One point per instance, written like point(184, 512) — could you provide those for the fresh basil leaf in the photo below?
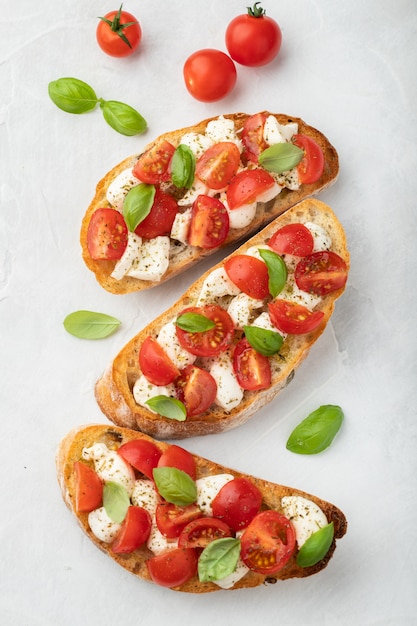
point(115, 501)
point(317, 431)
point(263, 340)
point(137, 204)
point(123, 118)
point(183, 167)
point(175, 486)
point(72, 95)
point(280, 157)
point(194, 322)
point(168, 407)
point(316, 547)
point(218, 559)
point(277, 271)
point(90, 325)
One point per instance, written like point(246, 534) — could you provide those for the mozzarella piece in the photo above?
point(293, 293)
point(153, 260)
point(102, 526)
point(242, 216)
point(229, 393)
point(254, 251)
point(197, 143)
point(158, 543)
point(207, 489)
point(110, 466)
point(143, 390)
point(168, 339)
point(270, 193)
point(264, 321)
point(217, 285)
point(322, 239)
point(288, 179)
point(132, 252)
point(198, 188)
point(144, 494)
point(305, 516)
point(181, 226)
point(274, 132)
point(241, 309)
point(228, 581)
point(118, 188)
point(223, 129)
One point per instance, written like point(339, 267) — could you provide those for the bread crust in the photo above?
point(70, 450)
point(113, 391)
point(265, 212)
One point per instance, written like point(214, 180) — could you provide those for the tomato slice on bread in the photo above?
point(171, 518)
point(173, 568)
point(321, 273)
point(209, 223)
point(200, 532)
point(251, 368)
point(295, 239)
point(249, 274)
point(237, 503)
point(311, 165)
point(134, 531)
point(209, 342)
point(197, 389)
point(217, 165)
point(141, 454)
point(88, 488)
point(178, 457)
point(161, 217)
point(152, 167)
point(253, 137)
point(292, 318)
point(107, 235)
point(247, 186)
point(156, 364)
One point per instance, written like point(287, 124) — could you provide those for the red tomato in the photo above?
point(209, 342)
point(293, 239)
point(218, 164)
point(209, 223)
point(161, 217)
point(171, 518)
point(134, 531)
point(174, 567)
point(106, 235)
point(251, 368)
point(321, 273)
point(311, 166)
point(237, 503)
point(200, 532)
point(152, 167)
point(209, 75)
point(118, 33)
point(88, 488)
point(268, 543)
point(293, 318)
point(155, 364)
point(249, 274)
point(253, 39)
point(178, 457)
point(141, 454)
point(247, 186)
point(197, 389)
point(253, 138)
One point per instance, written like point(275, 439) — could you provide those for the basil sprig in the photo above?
point(115, 501)
point(317, 431)
point(183, 167)
point(90, 325)
point(137, 204)
point(263, 340)
point(280, 157)
point(168, 407)
point(316, 547)
point(277, 271)
point(175, 486)
point(218, 559)
point(73, 95)
point(194, 322)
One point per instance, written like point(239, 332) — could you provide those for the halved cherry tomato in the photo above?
point(247, 186)
point(141, 454)
point(321, 273)
point(293, 239)
point(161, 217)
point(253, 138)
point(268, 542)
point(155, 364)
point(311, 166)
point(174, 567)
point(209, 223)
point(237, 503)
point(251, 368)
point(197, 389)
point(294, 318)
point(152, 167)
point(218, 164)
point(106, 235)
point(200, 532)
point(209, 342)
point(88, 488)
point(249, 274)
point(118, 33)
point(134, 531)
point(171, 518)
point(178, 457)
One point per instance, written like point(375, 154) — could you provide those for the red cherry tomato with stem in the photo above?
point(118, 33)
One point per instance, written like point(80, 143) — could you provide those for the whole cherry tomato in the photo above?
point(118, 33)
point(209, 75)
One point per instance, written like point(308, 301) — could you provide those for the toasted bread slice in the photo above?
point(70, 451)
point(185, 256)
point(114, 390)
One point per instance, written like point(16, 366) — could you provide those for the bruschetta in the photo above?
point(160, 512)
point(233, 340)
point(198, 189)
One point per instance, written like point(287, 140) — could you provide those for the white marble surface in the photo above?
point(349, 68)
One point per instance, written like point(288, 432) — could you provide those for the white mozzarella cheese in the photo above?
point(168, 340)
point(181, 226)
point(272, 131)
point(198, 188)
point(293, 293)
point(305, 516)
point(197, 143)
point(264, 321)
point(143, 390)
point(118, 188)
point(153, 259)
point(322, 239)
point(158, 543)
point(217, 285)
point(229, 393)
point(228, 581)
point(207, 489)
point(144, 494)
point(110, 466)
point(254, 251)
point(132, 252)
point(241, 308)
point(288, 179)
point(242, 216)
point(102, 526)
point(222, 129)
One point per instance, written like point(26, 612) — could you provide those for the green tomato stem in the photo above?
point(256, 11)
